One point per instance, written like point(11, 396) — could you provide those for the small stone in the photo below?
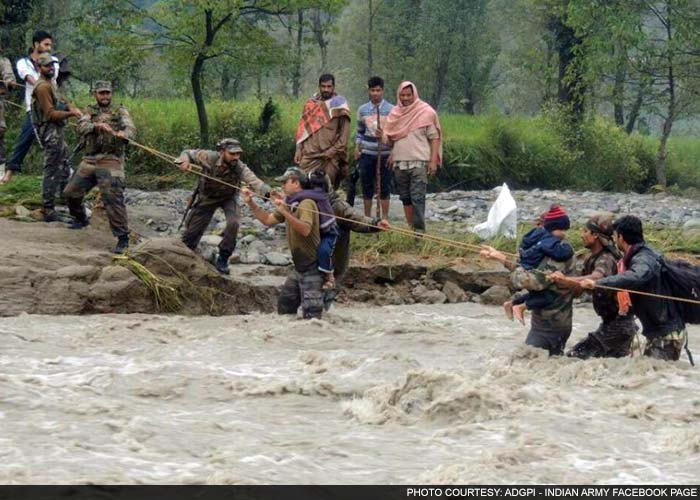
point(277, 259)
point(692, 226)
point(248, 239)
point(211, 240)
point(22, 211)
point(496, 295)
point(453, 292)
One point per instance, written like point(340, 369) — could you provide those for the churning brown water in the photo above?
point(437, 394)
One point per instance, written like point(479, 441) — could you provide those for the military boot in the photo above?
point(79, 223)
point(122, 244)
point(221, 263)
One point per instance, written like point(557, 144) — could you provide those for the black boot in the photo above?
point(79, 223)
point(122, 244)
point(221, 263)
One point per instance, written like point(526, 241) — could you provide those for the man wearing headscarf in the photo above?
point(613, 337)
point(413, 130)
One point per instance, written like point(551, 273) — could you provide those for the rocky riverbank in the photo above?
point(48, 269)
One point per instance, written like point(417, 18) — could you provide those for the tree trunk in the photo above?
point(661, 154)
point(468, 103)
point(440, 77)
point(370, 32)
point(670, 113)
point(618, 95)
point(225, 82)
point(196, 80)
point(571, 87)
point(635, 109)
point(296, 75)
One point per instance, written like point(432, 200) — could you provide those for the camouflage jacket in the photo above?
point(211, 191)
point(6, 74)
point(604, 301)
point(103, 145)
point(557, 316)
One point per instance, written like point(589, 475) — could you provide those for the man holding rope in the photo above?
point(225, 165)
point(613, 337)
point(105, 131)
point(49, 115)
point(550, 326)
point(7, 80)
point(303, 287)
point(640, 269)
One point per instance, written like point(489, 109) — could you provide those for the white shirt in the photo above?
point(25, 67)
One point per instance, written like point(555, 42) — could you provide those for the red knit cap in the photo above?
point(556, 218)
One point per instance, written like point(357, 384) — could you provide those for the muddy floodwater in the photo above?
point(400, 394)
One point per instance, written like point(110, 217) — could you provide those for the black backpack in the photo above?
point(682, 280)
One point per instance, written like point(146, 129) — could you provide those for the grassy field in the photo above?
point(544, 151)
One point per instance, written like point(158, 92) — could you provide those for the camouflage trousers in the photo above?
point(612, 339)
point(302, 289)
point(411, 183)
point(110, 182)
point(56, 168)
point(3, 128)
point(668, 347)
point(199, 218)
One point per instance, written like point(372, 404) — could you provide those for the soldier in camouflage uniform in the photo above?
point(224, 164)
point(7, 80)
point(105, 131)
point(49, 115)
point(613, 337)
point(550, 327)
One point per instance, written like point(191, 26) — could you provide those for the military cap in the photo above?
point(292, 172)
point(102, 85)
point(601, 224)
point(45, 59)
point(230, 145)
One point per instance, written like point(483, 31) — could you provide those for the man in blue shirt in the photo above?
point(367, 147)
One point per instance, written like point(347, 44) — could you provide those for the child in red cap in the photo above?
point(545, 240)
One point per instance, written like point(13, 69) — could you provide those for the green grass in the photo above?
point(544, 151)
point(23, 190)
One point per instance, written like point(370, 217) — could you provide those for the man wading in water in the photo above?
point(614, 335)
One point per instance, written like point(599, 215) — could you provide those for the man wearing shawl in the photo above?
point(413, 130)
point(322, 134)
point(613, 337)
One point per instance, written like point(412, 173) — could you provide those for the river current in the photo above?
point(400, 394)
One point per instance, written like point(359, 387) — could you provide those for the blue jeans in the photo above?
point(25, 141)
point(325, 249)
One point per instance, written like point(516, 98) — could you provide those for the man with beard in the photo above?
point(413, 130)
point(225, 165)
point(105, 131)
point(613, 337)
point(28, 71)
point(640, 269)
point(49, 115)
point(322, 134)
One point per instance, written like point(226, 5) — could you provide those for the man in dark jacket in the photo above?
point(662, 324)
point(614, 335)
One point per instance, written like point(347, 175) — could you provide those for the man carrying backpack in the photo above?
point(641, 269)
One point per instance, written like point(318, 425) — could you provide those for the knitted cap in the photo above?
point(556, 218)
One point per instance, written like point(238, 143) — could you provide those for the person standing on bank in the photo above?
point(413, 130)
point(224, 164)
point(105, 130)
point(7, 80)
point(323, 131)
point(368, 147)
point(28, 71)
point(49, 115)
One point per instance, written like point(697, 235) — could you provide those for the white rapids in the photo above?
point(399, 394)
